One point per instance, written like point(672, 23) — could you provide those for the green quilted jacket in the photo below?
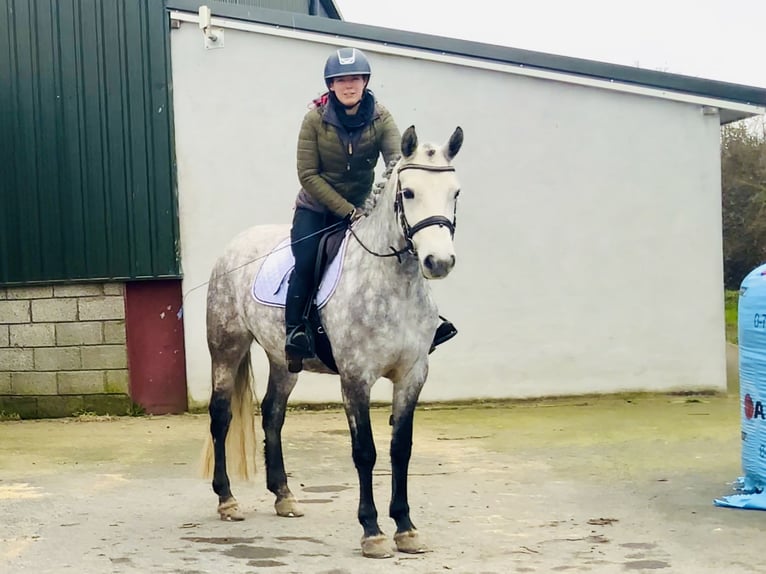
point(336, 171)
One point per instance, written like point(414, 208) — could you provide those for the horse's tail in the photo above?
point(240, 440)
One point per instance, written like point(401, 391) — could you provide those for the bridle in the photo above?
point(409, 231)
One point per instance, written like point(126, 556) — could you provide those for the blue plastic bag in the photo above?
point(752, 392)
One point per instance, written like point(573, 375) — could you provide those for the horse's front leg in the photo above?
point(356, 400)
point(273, 407)
point(406, 393)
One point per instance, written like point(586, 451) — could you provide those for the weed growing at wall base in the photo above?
point(8, 416)
point(731, 300)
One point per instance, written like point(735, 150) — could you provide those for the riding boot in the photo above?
point(444, 332)
point(299, 344)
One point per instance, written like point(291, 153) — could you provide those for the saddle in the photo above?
point(270, 285)
point(329, 246)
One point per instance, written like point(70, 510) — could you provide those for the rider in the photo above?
point(338, 147)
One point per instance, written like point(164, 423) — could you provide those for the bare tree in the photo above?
point(743, 175)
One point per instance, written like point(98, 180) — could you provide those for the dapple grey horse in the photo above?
point(380, 321)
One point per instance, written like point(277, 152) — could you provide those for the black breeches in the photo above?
point(305, 238)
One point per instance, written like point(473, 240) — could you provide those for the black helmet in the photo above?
point(346, 62)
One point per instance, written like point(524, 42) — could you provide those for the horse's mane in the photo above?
point(379, 186)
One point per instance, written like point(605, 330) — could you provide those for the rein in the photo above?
point(394, 252)
point(410, 230)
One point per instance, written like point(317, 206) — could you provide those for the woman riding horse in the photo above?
point(338, 147)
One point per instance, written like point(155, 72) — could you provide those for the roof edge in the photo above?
point(717, 89)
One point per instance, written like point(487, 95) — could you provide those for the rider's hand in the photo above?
point(354, 215)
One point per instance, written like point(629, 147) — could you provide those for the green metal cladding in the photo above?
point(87, 175)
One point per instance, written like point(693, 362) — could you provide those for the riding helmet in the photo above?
point(346, 62)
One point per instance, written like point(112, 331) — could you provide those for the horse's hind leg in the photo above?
point(406, 392)
point(226, 368)
point(273, 407)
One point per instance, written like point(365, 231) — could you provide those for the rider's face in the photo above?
point(348, 89)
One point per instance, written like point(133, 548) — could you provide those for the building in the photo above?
point(589, 240)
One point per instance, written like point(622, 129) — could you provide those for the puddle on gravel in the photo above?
point(299, 539)
point(639, 545)
point(327, 488)
point(646, 565)
point(222, 540)
point(266, 563)
point(254, 552)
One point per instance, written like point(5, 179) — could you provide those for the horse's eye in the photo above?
point(408, 194)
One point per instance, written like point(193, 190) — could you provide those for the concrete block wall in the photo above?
point(63, 350)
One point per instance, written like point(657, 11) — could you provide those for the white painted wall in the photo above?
point(589, 225)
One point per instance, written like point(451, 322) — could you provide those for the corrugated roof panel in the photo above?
point(299, 6)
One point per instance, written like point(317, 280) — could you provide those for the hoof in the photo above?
point(409, 542)
point(229, 510)
point(288, 507)
point(376, 547)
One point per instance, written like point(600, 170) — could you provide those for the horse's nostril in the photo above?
point(452, 260)
point(430, 262)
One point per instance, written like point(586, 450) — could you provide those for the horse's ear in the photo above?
point(454, 143)
point(409, 141)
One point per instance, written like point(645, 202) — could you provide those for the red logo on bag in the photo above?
point(749, 407)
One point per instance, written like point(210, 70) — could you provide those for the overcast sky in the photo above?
point(716, 39)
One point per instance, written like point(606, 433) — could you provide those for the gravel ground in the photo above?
point(610, 484)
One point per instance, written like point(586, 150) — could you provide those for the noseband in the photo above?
point(410, 230)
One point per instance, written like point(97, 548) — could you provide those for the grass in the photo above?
point(135, 410)
point(85, 416)
point(731, 299)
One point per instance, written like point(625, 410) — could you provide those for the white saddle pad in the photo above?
point(270, 284)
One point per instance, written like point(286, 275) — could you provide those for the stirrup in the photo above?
point(298, 346)
point(294, 364)
point(444, 332)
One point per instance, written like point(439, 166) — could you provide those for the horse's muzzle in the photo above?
point(437, 268)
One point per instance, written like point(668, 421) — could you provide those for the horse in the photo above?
point(380, 321)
